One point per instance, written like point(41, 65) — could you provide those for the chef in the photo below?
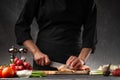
point(67, 31)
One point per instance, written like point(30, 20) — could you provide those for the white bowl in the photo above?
point(24, 73)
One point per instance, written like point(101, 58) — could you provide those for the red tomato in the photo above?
point(116, 72)
point(19, 68)
point(30, 68)
point(13, 72)
point(16, 59)
point(0, 73)
point(19, 62)
point(2, 67)
point(26, 64)
point(7, 72)
point(12, 66)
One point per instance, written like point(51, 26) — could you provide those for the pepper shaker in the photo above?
point(12, 51)
point(23, 52)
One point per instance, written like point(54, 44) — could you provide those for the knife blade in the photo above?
point(58, 65)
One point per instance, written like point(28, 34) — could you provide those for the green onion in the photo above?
point(38, 74)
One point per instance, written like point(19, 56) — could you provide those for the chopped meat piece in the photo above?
point(64, 68)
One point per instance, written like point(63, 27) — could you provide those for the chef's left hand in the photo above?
point(74, 62)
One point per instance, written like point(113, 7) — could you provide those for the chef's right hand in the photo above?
point(41, 58)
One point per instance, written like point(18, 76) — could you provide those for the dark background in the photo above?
point(108, 26)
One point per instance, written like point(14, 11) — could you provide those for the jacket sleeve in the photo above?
point(22, 26)
point(89, 36)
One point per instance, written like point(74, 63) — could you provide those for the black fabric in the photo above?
point(60, 23)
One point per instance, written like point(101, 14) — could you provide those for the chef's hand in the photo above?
point(74, 62)
point(41, 58)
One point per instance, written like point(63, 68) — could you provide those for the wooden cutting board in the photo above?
point(66, 72)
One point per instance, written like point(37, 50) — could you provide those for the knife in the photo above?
point(58, 65)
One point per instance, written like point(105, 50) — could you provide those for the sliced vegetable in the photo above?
point(38, 74)
point(96, 72)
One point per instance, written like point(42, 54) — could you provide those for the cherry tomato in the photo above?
point(2, 67)
point(116, 72)
point(7, 72)
point(13, 70)
point(16, 59)
point(0, 73)
point(12, 66)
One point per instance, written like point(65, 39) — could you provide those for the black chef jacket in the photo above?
point(60, 26)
